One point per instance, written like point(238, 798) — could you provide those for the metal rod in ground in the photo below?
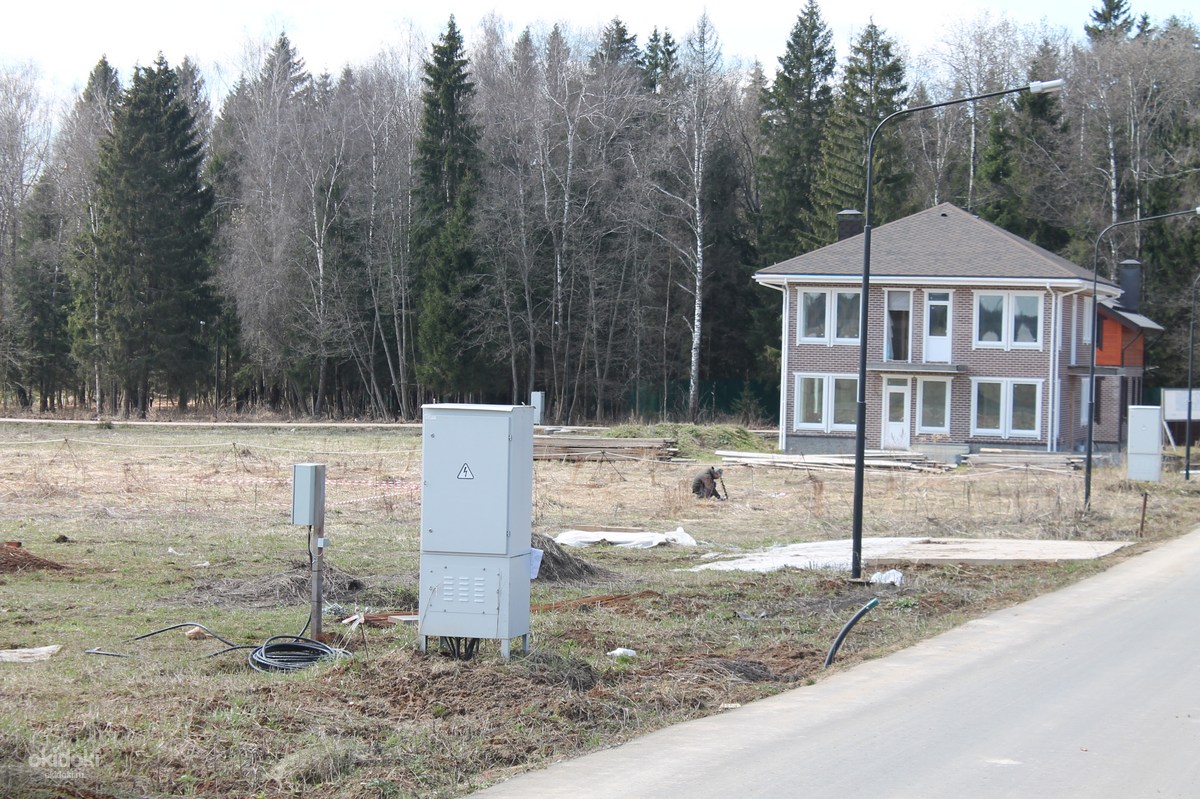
point(845, 630)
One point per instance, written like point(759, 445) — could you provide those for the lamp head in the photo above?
point(1046, 86)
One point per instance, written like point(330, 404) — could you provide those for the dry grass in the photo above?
point(163, 525)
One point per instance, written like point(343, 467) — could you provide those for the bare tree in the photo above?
point(24, 146)
point(697, 112)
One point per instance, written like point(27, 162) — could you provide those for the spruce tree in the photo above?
point(1021, 182)
point(660, 60)
point(1110, 18)
point(873, 87)
point(151, 243)
point(447, 169)
point(42, 297)
point(617, 46)
point(795, 109)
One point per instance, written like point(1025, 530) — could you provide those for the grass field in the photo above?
point(162, 525)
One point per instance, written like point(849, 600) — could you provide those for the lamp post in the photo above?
point(1187, 447)
point(1091, 421)
point(860, 439)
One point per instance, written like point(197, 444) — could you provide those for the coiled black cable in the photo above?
point(277, 653)
point(291, 652)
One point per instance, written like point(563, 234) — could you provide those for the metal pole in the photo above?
point(1091, 420)
point(317, 551)
point(860, 434)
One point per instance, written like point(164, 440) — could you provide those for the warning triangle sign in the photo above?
point(465, 472)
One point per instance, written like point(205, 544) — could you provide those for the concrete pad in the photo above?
point(835, 555)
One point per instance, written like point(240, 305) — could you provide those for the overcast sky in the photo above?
point(65, 39)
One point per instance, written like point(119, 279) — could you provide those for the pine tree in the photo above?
point(152, 241)
point(447, 168)
point(872, 88)
point(795, 109)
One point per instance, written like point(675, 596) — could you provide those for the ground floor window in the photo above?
point(825, 402)
point(933, 405)
point(1006, 407)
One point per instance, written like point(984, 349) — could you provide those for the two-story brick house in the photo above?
point(976, 338)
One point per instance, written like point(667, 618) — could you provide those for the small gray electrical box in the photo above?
point(308, 494)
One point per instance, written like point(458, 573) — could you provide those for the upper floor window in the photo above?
point(829, 317)
point(1008, 320)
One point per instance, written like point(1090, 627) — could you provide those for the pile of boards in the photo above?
point(873, 459)
point(1034, 459)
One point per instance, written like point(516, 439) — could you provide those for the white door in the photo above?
point(897, 400)
point(937, 327)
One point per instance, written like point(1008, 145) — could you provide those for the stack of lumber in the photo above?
point(873, 459)
point(1017, 458)
point(581, 447)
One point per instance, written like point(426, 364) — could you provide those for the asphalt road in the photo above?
point(1093, 691)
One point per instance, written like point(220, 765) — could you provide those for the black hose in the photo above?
point(842, 635)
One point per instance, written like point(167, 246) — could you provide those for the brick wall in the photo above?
point(996, 363)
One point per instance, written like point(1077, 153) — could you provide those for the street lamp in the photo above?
point(1091, 423)
point(860, 440)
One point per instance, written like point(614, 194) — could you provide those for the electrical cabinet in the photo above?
point(1144, 447)
point(476, 517)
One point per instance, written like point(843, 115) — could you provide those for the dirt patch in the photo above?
point(15, 559)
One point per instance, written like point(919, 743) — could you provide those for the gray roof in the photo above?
point(941, 242)
point(1132, 317)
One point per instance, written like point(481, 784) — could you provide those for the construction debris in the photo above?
point(873, 459)
point(28, 655)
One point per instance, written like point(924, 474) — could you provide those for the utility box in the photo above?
point(308, 494)
point(538, 400)
point(1144, 450)
point(476, 519)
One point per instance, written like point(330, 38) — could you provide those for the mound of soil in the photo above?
point(560, 566)
point(290, 587)
point(14, 559)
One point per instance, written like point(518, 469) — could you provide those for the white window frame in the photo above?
point(1008, 307)
point(921, 383)
point(949, 303)
point(911, 317)
point(828, 394)
point(829, 337)
point(1006, 429)
point(1085, 319)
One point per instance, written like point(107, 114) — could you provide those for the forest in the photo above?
point(546, 209)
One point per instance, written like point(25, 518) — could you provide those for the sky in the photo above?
point(65, 38)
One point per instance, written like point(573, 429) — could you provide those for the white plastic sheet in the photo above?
point(587, 538)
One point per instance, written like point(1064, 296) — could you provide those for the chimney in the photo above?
point(849, 223)
point(1130, 281)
